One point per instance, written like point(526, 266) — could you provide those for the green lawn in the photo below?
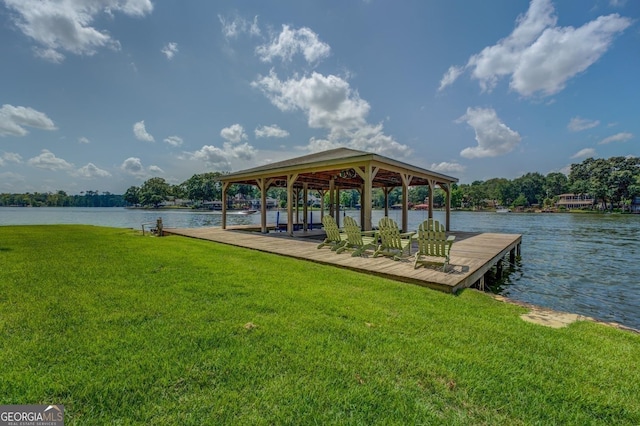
point(126, 329)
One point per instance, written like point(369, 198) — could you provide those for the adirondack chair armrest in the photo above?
point(369, 233)
point(451, 238)
point(407, 234)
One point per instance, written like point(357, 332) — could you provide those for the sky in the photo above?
point(102, 95)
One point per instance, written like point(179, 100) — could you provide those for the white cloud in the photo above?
point(494, 137)
point(47, 160)
point(234, 133)
point(49, 54)
point(371, 138)
point(619, 137)
point(133, 166)
point(232, 28)
point(13, 120)
point(57, 26)
point(155, 170)
point(292, 41)
point(12, 157)
point(220, 158)
point(577, 124)
point(83, 140)
point(140, 132)
point(174, 141)
point(330, 103)
point(272, 131)
point(212, 156)
point(450, 76)
point(243, 151)
point(584, 153)
point(91, 171)
point(170, 49)
point(445, 167)
point(539, 56)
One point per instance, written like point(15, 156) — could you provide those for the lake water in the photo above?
point(580, 263)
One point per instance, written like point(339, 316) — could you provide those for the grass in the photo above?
point(125, 329)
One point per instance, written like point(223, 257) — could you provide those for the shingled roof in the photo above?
point(318, 168)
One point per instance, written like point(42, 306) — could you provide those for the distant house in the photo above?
point(635, 205)
point(213, 205)
point(575, 201)
point(270, 203)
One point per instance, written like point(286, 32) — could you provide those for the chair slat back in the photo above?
point(351, 228)
point(389, 234)
point(432, 239)
point(331, 228)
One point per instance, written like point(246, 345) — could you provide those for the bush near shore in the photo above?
point(127, 329)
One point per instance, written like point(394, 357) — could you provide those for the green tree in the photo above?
point(132, 195)
point(457, 196)
point(154, 192)
point(555, 183)
point(477, 194)
point(531, 185)
point(520, 201)
point(418, 194)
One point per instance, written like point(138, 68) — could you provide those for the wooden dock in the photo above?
point(472, 254)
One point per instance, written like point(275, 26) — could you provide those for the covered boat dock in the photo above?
point(335, 170)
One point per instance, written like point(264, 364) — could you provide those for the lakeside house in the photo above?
point(635, 205)
point(575, 201)
point(270, 203)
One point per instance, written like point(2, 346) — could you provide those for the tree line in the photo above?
point(61, 199)
point(613, 183)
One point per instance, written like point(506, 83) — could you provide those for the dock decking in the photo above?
point(472, 254)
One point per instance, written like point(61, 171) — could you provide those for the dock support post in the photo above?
point(499, 269)
point(481, 283)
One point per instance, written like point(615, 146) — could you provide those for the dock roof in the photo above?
point(317, 169)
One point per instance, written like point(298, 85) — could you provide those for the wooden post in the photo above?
point(305, 207)
point(332, 195)
point(225, 186)
point(321, 195)
point(262, 186)
point(432, 187)
point(447, 220)
point(406, 181)
point(291, 180)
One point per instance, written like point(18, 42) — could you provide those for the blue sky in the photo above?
point(104, 94)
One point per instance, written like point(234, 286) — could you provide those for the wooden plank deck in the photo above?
point(472, 254)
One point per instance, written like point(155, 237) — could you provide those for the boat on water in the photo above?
point(236, 212)
point(503, 210)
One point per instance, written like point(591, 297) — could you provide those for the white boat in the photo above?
point(503, 210)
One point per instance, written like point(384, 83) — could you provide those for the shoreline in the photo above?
point(551, 318)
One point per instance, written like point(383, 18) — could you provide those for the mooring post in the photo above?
point(159, 226)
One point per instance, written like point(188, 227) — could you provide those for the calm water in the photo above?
point(585, 264)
